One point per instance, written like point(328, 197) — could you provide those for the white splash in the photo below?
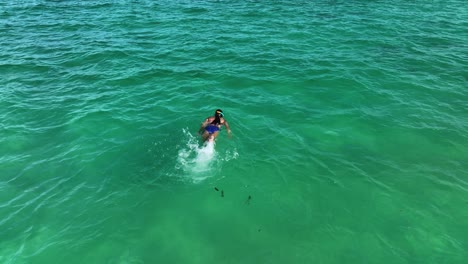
point(197, 161)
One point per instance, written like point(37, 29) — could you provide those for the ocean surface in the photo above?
point(349, 131)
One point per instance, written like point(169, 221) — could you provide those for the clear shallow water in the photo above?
point(349, 121)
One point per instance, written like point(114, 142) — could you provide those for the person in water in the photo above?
point(210, 127)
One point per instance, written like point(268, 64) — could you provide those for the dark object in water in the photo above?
point(248, 199)
point(222, 193)
point(216, 189)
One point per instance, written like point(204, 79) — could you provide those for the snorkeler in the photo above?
point(210, 127)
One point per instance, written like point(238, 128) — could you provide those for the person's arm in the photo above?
point(228, 129)
point(203, 125)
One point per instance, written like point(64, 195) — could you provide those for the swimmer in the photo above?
point(210, 127)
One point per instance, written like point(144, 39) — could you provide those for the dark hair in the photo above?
point(218, 115)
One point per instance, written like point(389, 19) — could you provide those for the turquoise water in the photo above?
point(349, 120)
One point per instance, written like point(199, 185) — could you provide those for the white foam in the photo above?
point(196, 161)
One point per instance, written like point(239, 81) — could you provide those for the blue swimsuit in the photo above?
point(211, 128)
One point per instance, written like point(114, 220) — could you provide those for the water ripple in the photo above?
point(338, 110)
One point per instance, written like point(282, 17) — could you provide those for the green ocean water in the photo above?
point(349, 121)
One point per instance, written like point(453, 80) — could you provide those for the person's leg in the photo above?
point(205, 135)
point(213, 136)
